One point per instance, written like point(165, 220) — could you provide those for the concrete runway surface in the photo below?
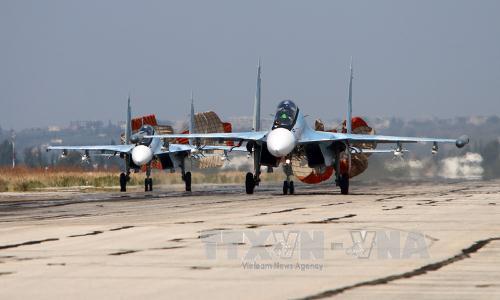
point(412, 240)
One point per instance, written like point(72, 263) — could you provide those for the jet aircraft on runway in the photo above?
point(290, 137)
point(142, 148)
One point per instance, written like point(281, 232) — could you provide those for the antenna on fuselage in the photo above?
point(348, 121)
point(256, 107)
point(128, 124)
point(191, 119)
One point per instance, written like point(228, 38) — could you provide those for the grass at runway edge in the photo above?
point(26, 179)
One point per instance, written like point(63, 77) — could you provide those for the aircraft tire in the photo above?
point(344, 184)
point(150, 184)
point(187, 181)
point(123, 182)
point(291, 188)
point(249, 183)
point(285, 187)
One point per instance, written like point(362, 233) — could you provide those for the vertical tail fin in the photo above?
point(349, 102)
point(256, 107)
point(191, 118)
point(128, 124)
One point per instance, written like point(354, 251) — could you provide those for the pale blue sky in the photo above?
point(67, 60)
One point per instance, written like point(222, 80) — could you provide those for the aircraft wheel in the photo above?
point(148, 184)
point(344, 184)
point(187, 181)
point(291, 188)
point(249, 183)
point(123, 182)
point(285, 187)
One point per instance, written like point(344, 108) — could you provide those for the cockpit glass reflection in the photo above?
point(286, 114)
point(147, 130)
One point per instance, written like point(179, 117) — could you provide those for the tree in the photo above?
point(6, 153)
point(33, 157)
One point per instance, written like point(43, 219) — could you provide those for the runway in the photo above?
point(411, 240)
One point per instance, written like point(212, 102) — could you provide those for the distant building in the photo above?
point(54, 128)
point(56, 141)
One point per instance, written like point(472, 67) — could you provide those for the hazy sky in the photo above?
point(69, 60)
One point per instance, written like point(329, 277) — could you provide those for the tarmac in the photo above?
point(392, 240)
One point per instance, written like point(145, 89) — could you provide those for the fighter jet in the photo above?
point(290, 136)
point(143, 147)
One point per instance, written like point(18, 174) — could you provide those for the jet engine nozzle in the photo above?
point(141, 155)
point(280, 142)
point(462, 141)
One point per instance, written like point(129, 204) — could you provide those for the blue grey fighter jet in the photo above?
point(143, 147)
point(291, 136)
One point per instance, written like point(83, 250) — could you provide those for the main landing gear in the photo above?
point(252, 180)
point(187, 181)
point(343, 182)
point(124, 178)
point(186, 176)
point(249, 183)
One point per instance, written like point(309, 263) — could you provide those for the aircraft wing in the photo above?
point(321, 136)
point(229, 136)
point(112, 148)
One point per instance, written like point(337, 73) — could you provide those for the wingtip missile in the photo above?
point(462, 141)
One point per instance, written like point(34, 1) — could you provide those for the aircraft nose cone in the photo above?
point(141, 155)
point(280, 142)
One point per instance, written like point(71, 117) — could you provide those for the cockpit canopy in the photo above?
point(286, 114)
point(146, 130)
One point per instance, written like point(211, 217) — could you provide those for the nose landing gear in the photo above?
point(148, 182)
point(288, 186)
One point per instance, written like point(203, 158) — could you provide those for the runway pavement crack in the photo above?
point(96, 232)
point(28, 243)
point(121, 228)
point(465, 253)
point(280, 211)
point(331, 220)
